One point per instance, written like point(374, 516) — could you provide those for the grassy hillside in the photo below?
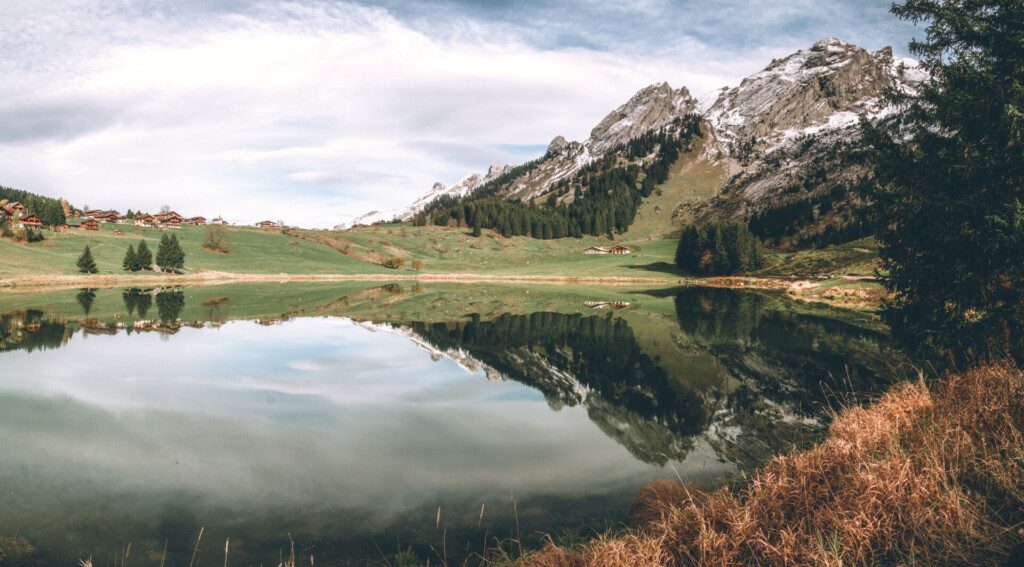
point(252, 251)
point(440, 250)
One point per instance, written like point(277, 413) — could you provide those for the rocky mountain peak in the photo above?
point(829, 85)
point(557, 144)
point(652, 107)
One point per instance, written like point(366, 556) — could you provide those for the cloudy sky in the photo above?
point(317, 111)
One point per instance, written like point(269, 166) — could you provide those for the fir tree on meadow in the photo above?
point(169, 255)
point(161, 252)
point(143, 257)
point(948, 202)
point(129, 262)
point(86, 264)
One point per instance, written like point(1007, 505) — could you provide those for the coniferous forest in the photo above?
point(605, 195)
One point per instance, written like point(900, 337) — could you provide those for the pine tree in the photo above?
point(476, 229)
point(86, 264)
point(949, 195)
point(170, 256)
point(143, 257)
point(176, 254)
point(129, 261)
point(162, 251)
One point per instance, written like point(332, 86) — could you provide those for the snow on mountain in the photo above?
point(460, 189)
point(820, 91)
point(827, 87)
point(651, 108)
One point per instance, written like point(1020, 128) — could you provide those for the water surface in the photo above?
point(366, 420)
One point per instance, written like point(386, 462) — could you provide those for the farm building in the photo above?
point(595, 250)
point(267, 224)
point(90, 224)
point(620, 249)
point(30, 221)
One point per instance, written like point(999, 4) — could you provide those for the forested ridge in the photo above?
point(600, 199)
point(50, 210)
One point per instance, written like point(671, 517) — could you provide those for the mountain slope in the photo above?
point(786, 136)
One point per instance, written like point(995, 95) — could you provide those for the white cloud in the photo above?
point(341, 108)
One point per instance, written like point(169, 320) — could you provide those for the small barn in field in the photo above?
point(595, 250)
point(620, 249)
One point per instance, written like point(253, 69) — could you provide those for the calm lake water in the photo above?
point(362, 420)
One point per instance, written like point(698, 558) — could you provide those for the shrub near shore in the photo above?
point(927, 477)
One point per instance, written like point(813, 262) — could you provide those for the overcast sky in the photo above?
point(316, 111)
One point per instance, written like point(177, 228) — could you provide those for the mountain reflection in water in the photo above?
point(370, 434)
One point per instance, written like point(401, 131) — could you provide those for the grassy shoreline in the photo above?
point(930, 476)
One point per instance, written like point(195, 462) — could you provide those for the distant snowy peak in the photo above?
point(827, 86)
point(460, 189)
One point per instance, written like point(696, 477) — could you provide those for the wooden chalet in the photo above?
point(30, 221)
point(104, 216)
point(170, 222)
point(169, 215)
point(90, 224)
point(267, 224)
point(195, 221)
point(18, 207)
point(595, 250)
point(144, 220)
point(620, 249)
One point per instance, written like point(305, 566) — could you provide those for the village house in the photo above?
point(103, 216)
point(30, 221)
point(195, 221)
point(267, 224)
point(168, 214)
point(17, 207)
point(170, 222)
point(620, 249)
point(219, 221)
point(144, 220)
point(90, 224)
point(595, 250)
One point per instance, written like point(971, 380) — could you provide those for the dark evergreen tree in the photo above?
point(175, 259)
point(143, 257)
point(718, 248)
point(130, 262)
point(949, 197)
point(86, 264)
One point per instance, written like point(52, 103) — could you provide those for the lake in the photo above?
point(361, 421)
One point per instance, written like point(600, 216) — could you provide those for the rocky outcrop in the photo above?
point(651, 108)
point(788, 131)
point(827, 87)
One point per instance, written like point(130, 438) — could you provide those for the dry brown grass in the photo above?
point(923, 477)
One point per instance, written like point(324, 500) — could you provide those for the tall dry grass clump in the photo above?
point(925, 477)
